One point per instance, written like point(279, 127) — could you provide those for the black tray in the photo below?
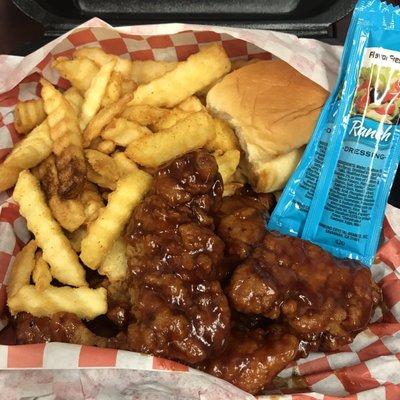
point(306, 18)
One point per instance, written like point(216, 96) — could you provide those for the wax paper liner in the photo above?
point(369, 368)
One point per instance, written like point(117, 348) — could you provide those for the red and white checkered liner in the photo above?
point(367, 369)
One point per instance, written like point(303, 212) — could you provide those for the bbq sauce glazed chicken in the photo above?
point(174, 262)
point(241, 224)
point(321, 299)
point(253, 358)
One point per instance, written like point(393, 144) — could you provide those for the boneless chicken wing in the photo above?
point(174, 255)
point(307, 288)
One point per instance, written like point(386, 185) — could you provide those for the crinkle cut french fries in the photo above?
point(79, 169)
point(57, 251)
point(103, 232)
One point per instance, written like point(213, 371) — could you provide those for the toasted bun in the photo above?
point(273, 109)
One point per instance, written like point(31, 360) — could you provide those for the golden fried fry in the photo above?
point(56, 248)
point(128, 86)
point(79, 72)
point(143, 114)
point(124, 164)
point(113, 90)
point(103, 232)
point(191, 104)
point(41, 275)
point(122, 131)
point(75, 238)
point(147, 71)
point(171, 118)
point(231, 187)
point(84, 302)
point(187, 135)
point(74, 98)
point(190, 76)
point(122, 65)
point(92, 202)
point(21, 269)
point(69, 213)
point(103, 118)
point(115, 264)
point(67, 142)
point(28, 114)
point(100, 180)
point(227, 164)
point(225, 138)
point(95, 93)
point(106, 146)
point(29, 152)
point(102, 164)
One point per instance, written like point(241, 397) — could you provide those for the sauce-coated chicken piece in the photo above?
point(315, 294)
point(253, 358)
point(174, 264)
point(241, 223)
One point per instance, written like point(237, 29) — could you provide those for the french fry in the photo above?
point(22, 268)
point(103, 118)
point(122, 131)
point(106, 146)
point(75, 238)
point(69, 213)
point(144, 114)
point(79, 72)
point(95, 93)
point(227, 164)
point(103, 232)
point(57, 251)
point(41, 275)
point(225, 138)
point(102, 164)
point(191, 104)
point(115, 264)
point(100, 180)
point(74, 98)
point(148, 70)
point(92, 202)
point(67, 141)
point(128, 86)
point(122, 65)
point(28, 115)
point(171, 118)
point(29, 152)
point(113, 89)
point(231, 187)
point(86, 303)
point(190, 76)
point(124, 164)
point(189, 134)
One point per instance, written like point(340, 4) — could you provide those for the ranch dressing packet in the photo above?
point(338, 194)
point(346, 213)
point(291, 212)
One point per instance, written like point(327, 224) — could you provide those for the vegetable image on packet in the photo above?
point(290, 213)
point(346, 210)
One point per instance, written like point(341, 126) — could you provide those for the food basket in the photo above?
point(366, 369)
